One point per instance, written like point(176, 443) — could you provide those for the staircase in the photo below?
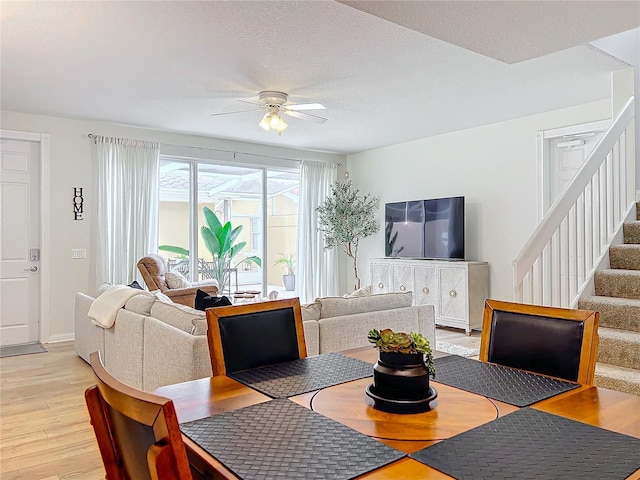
point(617, 298)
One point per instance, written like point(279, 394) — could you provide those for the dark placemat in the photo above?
point(304, 375)
point(530, 444)
point(500, 383)
point(281, 439)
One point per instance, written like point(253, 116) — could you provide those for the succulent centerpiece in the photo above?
point(401, 374)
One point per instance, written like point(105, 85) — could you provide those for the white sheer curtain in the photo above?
point(317, 268)
point(126, 222)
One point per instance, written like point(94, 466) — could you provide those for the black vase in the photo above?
point(401, 383)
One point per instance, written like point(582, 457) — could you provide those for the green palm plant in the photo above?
point(288, 262)
point(220, 242)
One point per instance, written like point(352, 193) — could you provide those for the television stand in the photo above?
point(456, 289)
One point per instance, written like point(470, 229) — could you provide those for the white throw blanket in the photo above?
point(104, 309)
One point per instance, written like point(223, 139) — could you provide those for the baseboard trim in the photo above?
point(65, 337)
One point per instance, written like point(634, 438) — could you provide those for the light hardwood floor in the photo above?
point(44, 426)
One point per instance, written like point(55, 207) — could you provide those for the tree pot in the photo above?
point(401, 383)
point(289, 282)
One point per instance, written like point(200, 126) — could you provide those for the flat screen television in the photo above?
point(431, 228)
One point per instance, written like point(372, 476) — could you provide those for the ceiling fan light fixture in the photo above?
point(264, 123)
point(273, 121)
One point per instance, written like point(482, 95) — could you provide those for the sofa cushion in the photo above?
point(338, 306)
point(140, 303)
point(310, 311)
point(176, 315)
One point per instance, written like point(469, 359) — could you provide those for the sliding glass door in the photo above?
point(261, 205)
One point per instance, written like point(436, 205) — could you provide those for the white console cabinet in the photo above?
point(457, 290)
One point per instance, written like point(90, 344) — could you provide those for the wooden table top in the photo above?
point(453, 412)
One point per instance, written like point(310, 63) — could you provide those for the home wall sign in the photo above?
point(78, 203)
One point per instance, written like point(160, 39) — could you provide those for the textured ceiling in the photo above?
point(170, 65)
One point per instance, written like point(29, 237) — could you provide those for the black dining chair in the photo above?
point(559, 342)
point(253, 335)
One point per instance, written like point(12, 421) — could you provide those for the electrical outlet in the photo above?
point(78, 253)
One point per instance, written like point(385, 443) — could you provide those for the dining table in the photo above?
point(459, 431)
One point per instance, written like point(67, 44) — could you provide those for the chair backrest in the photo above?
point(254, 335)
point(152, 269)
point(137, 432)
point(559, 342)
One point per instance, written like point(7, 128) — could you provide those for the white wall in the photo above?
point(493, 166)
point(71, 166)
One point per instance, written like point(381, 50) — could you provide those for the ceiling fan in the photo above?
point(275, 103)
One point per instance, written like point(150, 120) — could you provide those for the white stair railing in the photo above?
point(563, 253)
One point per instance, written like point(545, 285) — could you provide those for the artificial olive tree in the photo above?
point(345, 218)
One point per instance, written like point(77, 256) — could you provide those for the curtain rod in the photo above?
point(235, 152)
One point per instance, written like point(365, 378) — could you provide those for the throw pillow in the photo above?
point(361, 292)
point(204, 300)
point(176, 280)
point(135, 284)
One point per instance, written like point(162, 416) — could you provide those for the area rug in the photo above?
point(457, 350)
point(14, 350)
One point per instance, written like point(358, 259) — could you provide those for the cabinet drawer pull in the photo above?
point(381, 285)
point(402, 288)
point(425, 290)
point(452, 293)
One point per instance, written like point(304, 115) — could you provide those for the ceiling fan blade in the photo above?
point(251, 103)
point(305, 106)
point(239, 111)
point(304, 116)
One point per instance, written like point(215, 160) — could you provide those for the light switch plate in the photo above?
point(78, 253)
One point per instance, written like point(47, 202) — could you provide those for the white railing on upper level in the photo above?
point(562, 254)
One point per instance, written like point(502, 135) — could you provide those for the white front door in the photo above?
point(19, 241)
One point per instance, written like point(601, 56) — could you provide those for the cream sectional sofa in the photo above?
point(153, 343)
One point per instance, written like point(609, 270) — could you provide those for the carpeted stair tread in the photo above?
point(618, 283)
point(617, 378)
point(619, 347)
point(621, 313)
point(631, 232)
point(617, 298)
point(625, 256)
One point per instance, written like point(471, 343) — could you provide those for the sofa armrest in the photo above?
point(123, 347)
point(311, 337)
point(88, 338)
point(172, 356)
point(187, 296)
point(427, 323)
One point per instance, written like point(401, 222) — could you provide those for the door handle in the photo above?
point(32, 269)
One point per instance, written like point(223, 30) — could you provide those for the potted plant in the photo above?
point(401, 374)
point(345, 218)
point(220, 241)
point(289, 278)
